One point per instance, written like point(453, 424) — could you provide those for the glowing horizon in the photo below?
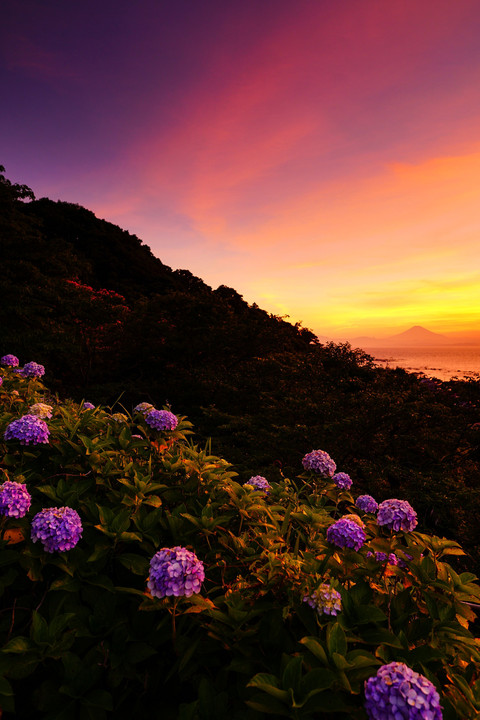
point(322, 159)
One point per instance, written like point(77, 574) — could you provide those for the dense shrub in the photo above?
point(287, 622)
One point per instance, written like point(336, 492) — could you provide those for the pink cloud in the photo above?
point(263, 129)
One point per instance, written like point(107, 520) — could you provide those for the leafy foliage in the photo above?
point(83, 637)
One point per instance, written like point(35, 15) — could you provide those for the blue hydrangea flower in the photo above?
point(161, 420)
point(343, 481)
point(29, 429)
point(397, 692)
point(15, 499)
point(397, 515)
point(346, 533)
point(41, 410)
point(325, 599)
point(366, 503)
point(143, 408)
point(58, 529)
point(318, 461)
point(259, 483)
point(10, 361)
point(88, 406)
point(175, 571)
point(32, 370)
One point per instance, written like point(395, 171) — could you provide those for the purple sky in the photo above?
point(321, 157)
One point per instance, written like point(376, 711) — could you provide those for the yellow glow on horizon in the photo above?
point(403, 252)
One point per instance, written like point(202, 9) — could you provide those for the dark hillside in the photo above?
point(109, 320)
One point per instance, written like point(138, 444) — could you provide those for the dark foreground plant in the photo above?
point(144, 580)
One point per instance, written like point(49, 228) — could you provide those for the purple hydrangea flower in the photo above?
point(403, 563)
point(15, 499)
point(346, 533)
point(355, 518)
point(397, 692)
point(57, 528)
point(175, 571)
point(325, 600)
point(88, 406)
point(161, 420)
point(1, 381)
point(41, 410)
point(29, 429)
point(343, 481)
point(397, 515)
point(382, 557)
point(366, 503)
point(119, 417)
point(10, 360)
point(32, 370)
point(320, 462)
point(143, 408)
point(259, 483)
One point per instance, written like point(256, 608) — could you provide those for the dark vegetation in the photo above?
point(87, 633)
point(113, 324)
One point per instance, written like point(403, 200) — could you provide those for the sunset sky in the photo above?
point(322, 157)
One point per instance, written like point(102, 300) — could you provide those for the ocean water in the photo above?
point(443, 363)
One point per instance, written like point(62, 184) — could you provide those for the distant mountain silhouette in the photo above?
point(416, 336)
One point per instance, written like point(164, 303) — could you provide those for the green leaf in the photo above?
point(135, 563)
point(315, 681)
point(368, 614)
point(5, 687)
point(99, 699)
point(18, 645)
point(380, 636)
point(314, 646)
point(130, 537)
point(59, 623)
point(329, 701)
point(39, 632)
point(292, 673)
point(362, 658)
point(124, 438)
point(265, 704)
point(7, 557)
point(136, 652)
point(336, 639)
point(269, 684)
point(7, 700)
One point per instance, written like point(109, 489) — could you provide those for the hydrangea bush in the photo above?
point(175, 571)
point(325, 600)
point(258, 482)
point(141, 573)
point(346, 533)
point(161, 420)
point(320, 462)
point(28, 429)
point(399, 692)
point(32, 370)
point(366, 503)
point(10, 360)
point(396, 515)
point(343, 481)
point(41, 410)
point(58, 529)
point(15, 500)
